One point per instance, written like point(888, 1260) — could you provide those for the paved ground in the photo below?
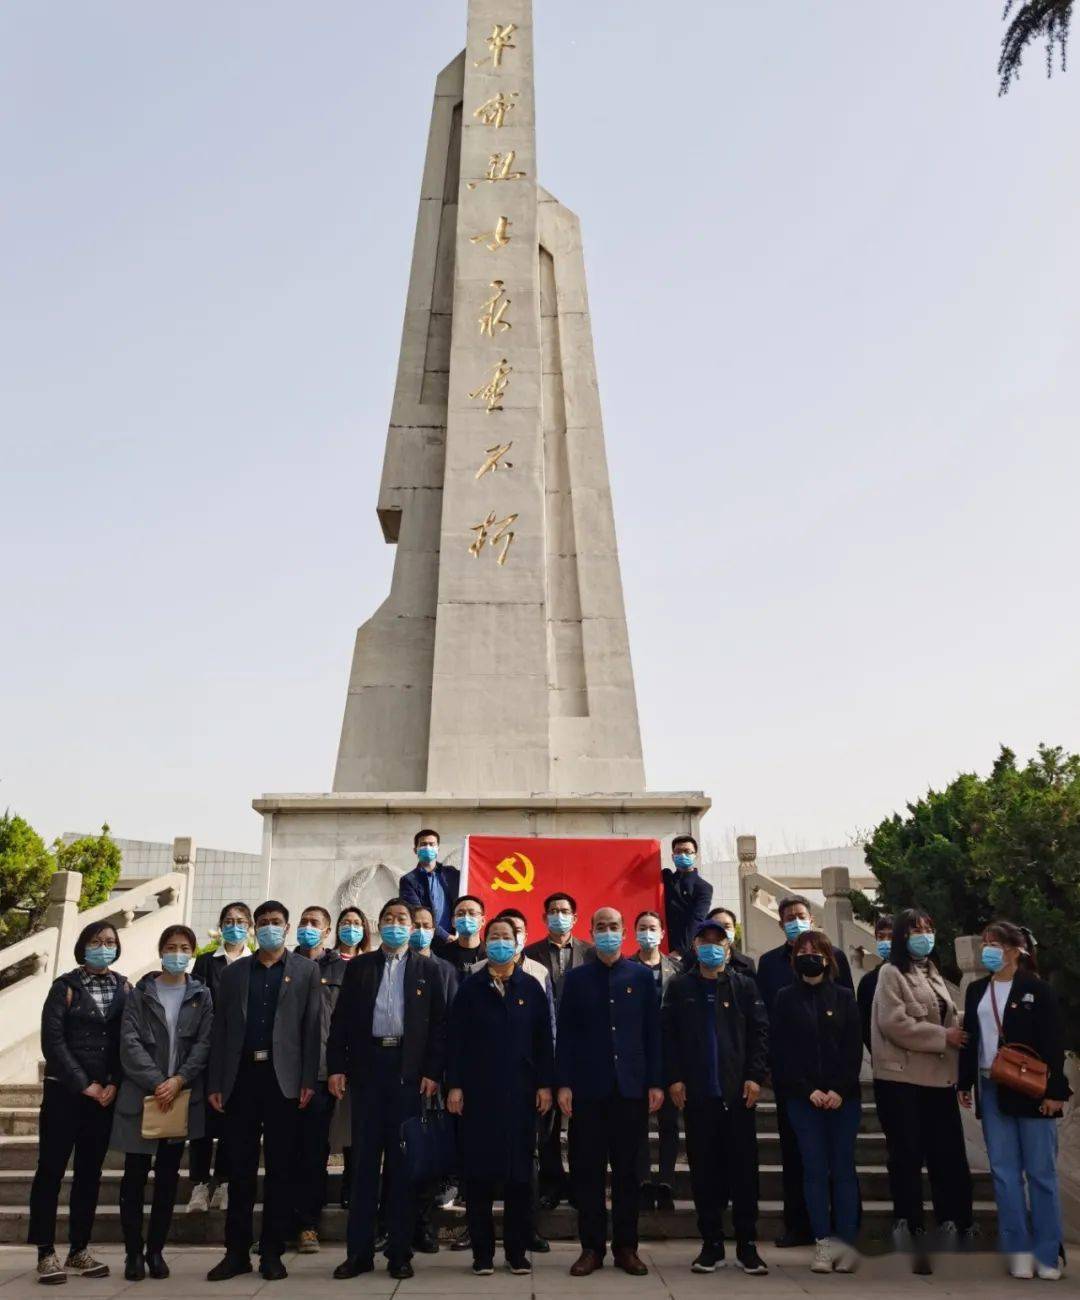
point(447, 1274)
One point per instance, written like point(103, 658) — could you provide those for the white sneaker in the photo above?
point(1022, 1265)
point(847, 1258)
point(1049, 1273)
point(221, 1197)
point(823, 1256)
point(199, 1201)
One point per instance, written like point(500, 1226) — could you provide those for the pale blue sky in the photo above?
point(834, 283)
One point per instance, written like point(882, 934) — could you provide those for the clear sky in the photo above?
point(834, 283)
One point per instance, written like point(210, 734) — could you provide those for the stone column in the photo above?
point(838, 913)
point(62, 911)
point(184, 862)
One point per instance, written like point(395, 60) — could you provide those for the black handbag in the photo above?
point(429, 1143)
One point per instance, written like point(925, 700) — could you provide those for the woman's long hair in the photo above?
point(904, 926)
point(1014, 936)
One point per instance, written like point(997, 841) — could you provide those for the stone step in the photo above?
point(20, 1094)
point(19, 1121)
point(559, 1225)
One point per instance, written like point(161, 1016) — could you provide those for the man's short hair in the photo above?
point(414, 912)
point(561, 896)
point(792, 900)
point(394, 902)
point(512, 912)
point(683, 839)
point(726, 911)
point(318, 907)
point(470, 898)
point(884, 922)
point(495, 921)
point(420, 835)
point(271, 905)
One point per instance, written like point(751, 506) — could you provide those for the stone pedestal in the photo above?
point(328, 848)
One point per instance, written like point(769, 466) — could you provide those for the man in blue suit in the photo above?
point(687, 897)
point(431, 883)
point(610, 1078)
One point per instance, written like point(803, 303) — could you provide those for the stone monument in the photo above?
point(492, 691)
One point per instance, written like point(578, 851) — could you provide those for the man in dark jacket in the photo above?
point(740, 962)
point(864, 994)
point(610, 1077)
point(431, 883)
point(774, 973)
point(687, 896)
point(387, 1045)
point(716, 1034)
point(264, 1064)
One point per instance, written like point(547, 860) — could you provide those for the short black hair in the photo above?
point(420, 835)
point(240, 907)
point(171, 931)
point(421, 907)
point(726, 911)
point(512, 912)
point(683, 839)
point(272, 905)
point(394, 902)
point(561, 894)
point(884, 922)
point(470, 898)
point(792, 900)
point(494, 921)
point(91, 931)
point(318, 907)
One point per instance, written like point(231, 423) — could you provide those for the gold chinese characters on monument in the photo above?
point(499, 237)
point(494, 390)
point(493, 531)
point(499, 169)
point(494, 456)
point(494, 112)
point(494, 311)
point(501, 39)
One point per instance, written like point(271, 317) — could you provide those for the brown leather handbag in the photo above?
point(1016, 1067)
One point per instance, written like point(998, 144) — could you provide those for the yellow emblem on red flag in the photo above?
point(510, 877)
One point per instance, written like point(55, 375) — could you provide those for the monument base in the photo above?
point(338, 849)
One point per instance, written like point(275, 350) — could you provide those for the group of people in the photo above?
point(342, 1037)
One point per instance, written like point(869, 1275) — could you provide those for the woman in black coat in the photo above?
point(499, 1073)
point(817, 1053)
point(80, 1041)
point(1013, 1005)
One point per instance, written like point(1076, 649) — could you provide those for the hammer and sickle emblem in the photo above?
point(512, 878)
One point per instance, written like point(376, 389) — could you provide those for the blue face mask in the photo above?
point(308, 936)
point(420, 939)
point(796, 926)
point(466, 925)
point(394, 936)
point(270, 937)
point(608, 941)
point(648, 940)
point(920, 945)
point(884, 949)
point(427, 854)
point(559, 922)
point(684, 861)
point(711, 955)
point(175, 963)
point(351, 935)
point(100, 955)
point(992, 958)
point(501, 951)
point(234, 933)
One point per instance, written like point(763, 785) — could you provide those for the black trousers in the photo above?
point(923, 1127)
point(553, 1180)
point(721, 1145)
point(517, 1218)
point(311, 1157)
point(201, 1151)
point(796, 1215)
point(68, 1123)
point(667, 1126)
point(603, 1133)
point(166, 1162)
point(380, 1105)
point(257, 1110)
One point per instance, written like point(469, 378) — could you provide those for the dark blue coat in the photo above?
point(415, 888)
point(687, 899)
point(609, 1032)
point(500, 1052)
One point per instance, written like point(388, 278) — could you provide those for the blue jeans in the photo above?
point(827, 1146)
point(1020, 1148)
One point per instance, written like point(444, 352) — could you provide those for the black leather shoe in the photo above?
point(155, 1264)
point(462, 1240)
point(400, 1269)
point(273, 1269)
point(230, 1266)
point(665, 1198)
point(550, 1201)
point(426, 1243)
point(539, 1245)
point(787, 1240)
point(134, 1268)
point(353, 1266)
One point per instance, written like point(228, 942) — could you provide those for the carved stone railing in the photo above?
point(139, 911)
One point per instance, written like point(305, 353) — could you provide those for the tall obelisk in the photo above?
point(501, 663)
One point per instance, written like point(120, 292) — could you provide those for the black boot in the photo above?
point(155, 1265)
point(134, 1268)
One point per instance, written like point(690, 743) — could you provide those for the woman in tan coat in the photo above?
point(915, 1042)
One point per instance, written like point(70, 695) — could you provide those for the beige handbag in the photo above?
point(171, 1123)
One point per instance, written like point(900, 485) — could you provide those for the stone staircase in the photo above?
point(18, 1156)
